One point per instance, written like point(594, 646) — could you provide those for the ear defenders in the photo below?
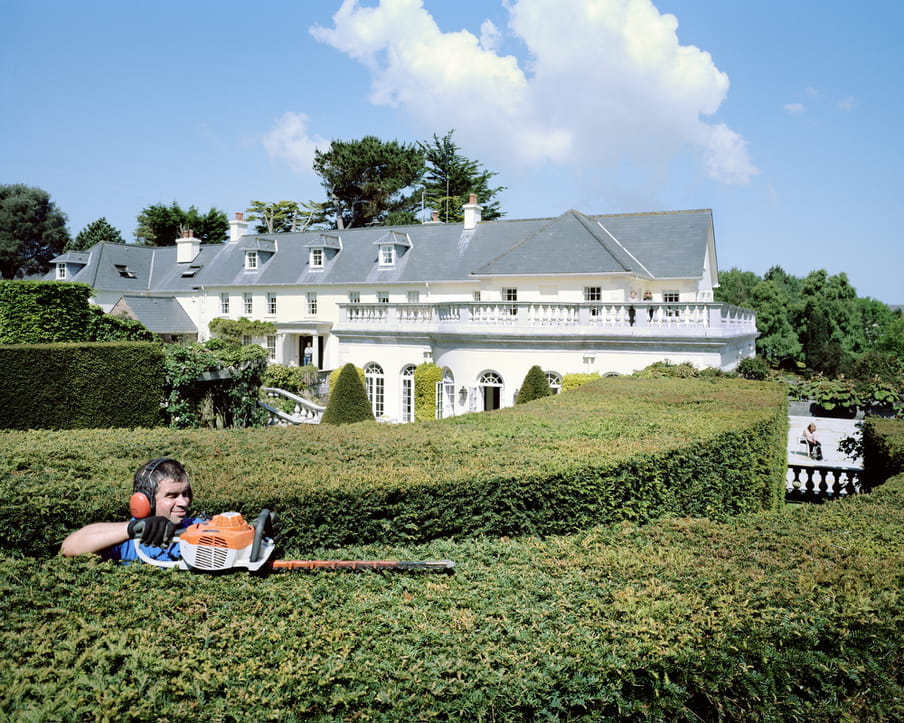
point(141, 504)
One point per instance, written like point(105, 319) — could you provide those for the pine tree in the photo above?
point(535, 386)
point(348, 400)
point(99, 231)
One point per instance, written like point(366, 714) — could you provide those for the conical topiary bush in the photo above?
point(348, 400)
point(534, 386)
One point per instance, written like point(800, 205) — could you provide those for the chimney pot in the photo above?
point(472, 198)
point(239, 216)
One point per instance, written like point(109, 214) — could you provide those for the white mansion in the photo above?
point(485, 301)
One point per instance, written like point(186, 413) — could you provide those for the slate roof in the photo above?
point(652, 245)
point(160, 314)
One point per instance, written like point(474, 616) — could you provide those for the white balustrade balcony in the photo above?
point(646, 319)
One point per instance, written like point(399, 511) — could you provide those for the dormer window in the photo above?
point(61, 272)
point(387, 255)
point(251, 260)
point(391, 248)
point(124, 271)
point(316, 258)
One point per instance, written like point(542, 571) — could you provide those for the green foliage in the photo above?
point(292, 379)
point(426, 377)
point(534, 386)
point(348, 401)
point(736, 287)
point(69, 386)
point(615, 449)
point(233, 330)
point(96, 232)
point(667, 369)
point(787, 616)
point(214, 385)
point(845, 395)
point(104, 327)
point(366, 179)
point(41, 312)
point(573, 381)
point(883, 449)
point(450, 178)
point(32, 230)
point(161, 225)
point(753, 368)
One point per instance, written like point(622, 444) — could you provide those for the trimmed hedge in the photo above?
point(615, 449)
point(71, 386)
point(44, 312)
point(795, 615)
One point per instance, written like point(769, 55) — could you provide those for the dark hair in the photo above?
point(151, 474)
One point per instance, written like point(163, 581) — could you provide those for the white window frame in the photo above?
point(374, 386)
point(60, 272)
point(407, 393)
point(251, 260)
point(248, 303)
point(510, 294)
point(316, 258)
point(271, 347)
point(382, 297)
point(312, 303)
point(271, 304)
point(387, 255)
point(414, 297)
point(224, 303)
point(354, 297)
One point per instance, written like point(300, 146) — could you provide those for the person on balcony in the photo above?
point(813, 444)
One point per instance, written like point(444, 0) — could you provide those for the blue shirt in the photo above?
point(125, 553)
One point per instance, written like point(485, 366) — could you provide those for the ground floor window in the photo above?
point(491, 390)
point(373, 384)
point(554, 380)
point(408, 393)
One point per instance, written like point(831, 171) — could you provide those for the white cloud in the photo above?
point(795, 108)
point(605, 82)
point(289, 141)
point(848, 103)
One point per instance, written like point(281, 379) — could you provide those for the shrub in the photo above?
point(535, 386)
point(426, 377)
point(573, 381)
point(348, 400)
point(753, 368)
point(43, 312)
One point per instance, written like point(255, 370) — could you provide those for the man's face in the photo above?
point(172, 500)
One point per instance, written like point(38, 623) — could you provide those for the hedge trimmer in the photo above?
point(226, 542)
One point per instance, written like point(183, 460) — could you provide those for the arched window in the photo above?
point(445, 395)
point(491, 389)
point(408, 393)
point(554, 380)
point(373, 384)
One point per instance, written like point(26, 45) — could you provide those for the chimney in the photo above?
point(187, 247)
point(237, 227)
point(472, 212)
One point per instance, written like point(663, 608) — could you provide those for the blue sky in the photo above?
point(783, 117)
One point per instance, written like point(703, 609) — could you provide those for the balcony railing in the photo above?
point(636, 319)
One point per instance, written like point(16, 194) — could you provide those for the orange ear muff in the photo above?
point(139, 506)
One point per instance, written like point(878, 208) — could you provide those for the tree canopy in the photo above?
point(368, 180)
point(162, 225)
point(32, 230)
point(450, 178)
point(96, 232)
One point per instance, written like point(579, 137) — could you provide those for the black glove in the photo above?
point(153, 531)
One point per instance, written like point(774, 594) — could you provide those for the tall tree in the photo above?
point(368, 179)
point(736, 287)
point(286, 216)
point(778, 340)
point(161, 225)
point(450, 178)
point(96, 232)
point(32, 230)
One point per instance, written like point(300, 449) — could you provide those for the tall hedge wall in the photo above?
point(615, 449)
point(41, 312)
point(69, 386)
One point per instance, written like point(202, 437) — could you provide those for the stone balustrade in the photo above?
point(636, 319)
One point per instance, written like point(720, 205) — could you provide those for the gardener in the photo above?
point(162, 489)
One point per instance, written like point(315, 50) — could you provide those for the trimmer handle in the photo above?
point(138, 530)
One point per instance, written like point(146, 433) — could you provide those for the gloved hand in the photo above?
point(156, 531)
